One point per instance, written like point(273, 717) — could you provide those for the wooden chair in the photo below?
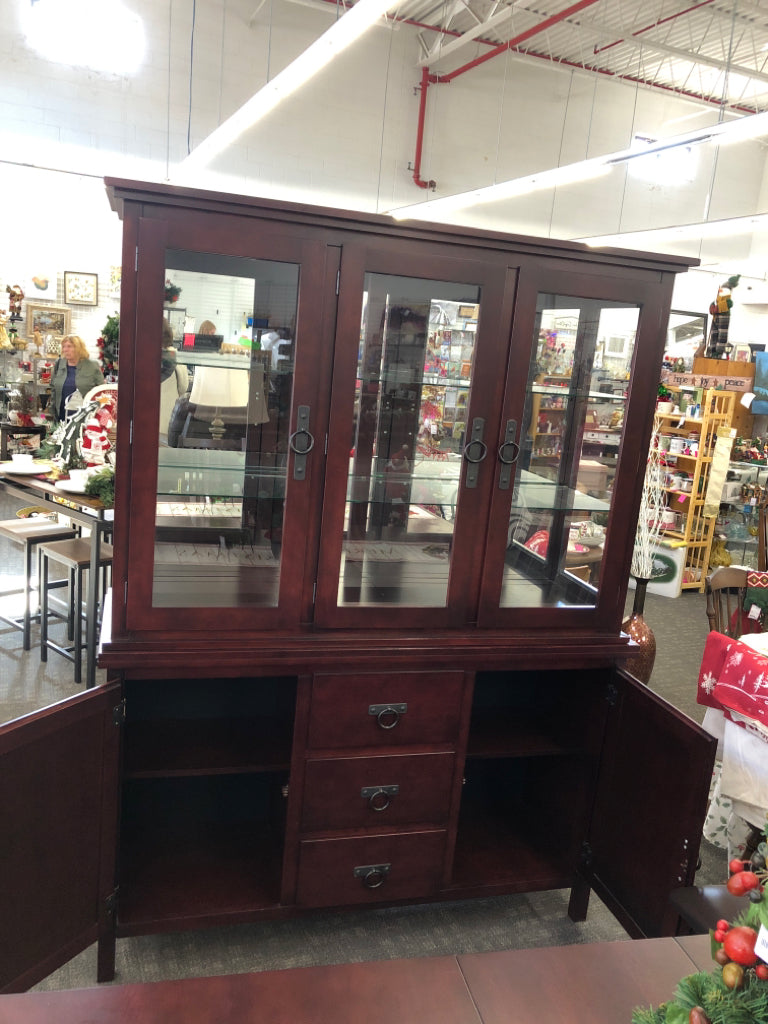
point(726, 589)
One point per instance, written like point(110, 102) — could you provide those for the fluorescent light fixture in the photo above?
point(343, 33)
point(99, 34)
point(740, 130)
point(682, 232)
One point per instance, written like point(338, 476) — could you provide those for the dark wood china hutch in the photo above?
point(369, 578)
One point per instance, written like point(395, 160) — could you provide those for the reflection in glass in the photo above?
point(573, 425)
point(414, 376)
point(225, 399)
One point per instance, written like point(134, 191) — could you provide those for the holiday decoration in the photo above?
point(83, 439)
point(736, 991)
point(108, 345)
point(718, 345)
point(172, 291)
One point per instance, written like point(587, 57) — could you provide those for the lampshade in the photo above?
point(220, 387)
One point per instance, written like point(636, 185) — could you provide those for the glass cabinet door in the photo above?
point(224, 529)
point(556, 509)
point(415, 444)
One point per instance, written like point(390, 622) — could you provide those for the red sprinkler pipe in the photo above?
point(516, 40)
point(420, 133)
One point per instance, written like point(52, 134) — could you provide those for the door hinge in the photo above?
point(130, 432)
point(612, 694)
point(136, 259)
point(111, 902)
point(586, 855)
point(325, 448)
point(338, 275)
point(314, 591)
point(118, 713)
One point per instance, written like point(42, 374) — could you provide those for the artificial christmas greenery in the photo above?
point(736, 990)
point(108, 346)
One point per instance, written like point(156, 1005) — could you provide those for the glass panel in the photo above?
point(414, 377)
point(572, 429)
point(225, 400)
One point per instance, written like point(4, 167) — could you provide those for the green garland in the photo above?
point(108, 345)
point(707, 991)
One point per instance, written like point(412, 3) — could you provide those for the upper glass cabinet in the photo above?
point(573, 425)
point(226, 382)
point(412, 398)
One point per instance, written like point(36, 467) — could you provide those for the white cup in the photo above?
point(22, 458)
point(79, 476)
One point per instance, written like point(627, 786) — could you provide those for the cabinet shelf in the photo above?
point(196, 877)
point(507, 734)
point(206, 747)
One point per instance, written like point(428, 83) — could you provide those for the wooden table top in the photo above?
point(597, 983)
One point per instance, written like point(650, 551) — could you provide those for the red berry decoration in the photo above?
point(739, 944)
point(723, 925)
point(735, 866)
point(741, 883)
point(762, 972)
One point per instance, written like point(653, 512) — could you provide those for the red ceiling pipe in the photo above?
point(420, 133)
point(516, 40)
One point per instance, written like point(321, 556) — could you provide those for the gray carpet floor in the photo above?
point(508, 922)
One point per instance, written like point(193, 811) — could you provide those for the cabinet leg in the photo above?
point(105, 956)
point(579, 901)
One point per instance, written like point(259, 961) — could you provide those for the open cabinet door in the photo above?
point(650, 807)
point(58, 821)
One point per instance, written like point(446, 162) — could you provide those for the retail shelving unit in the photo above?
point(700, 434)
point(349, 662)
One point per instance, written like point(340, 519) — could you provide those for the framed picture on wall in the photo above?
point(81, 288)
point(47, 320)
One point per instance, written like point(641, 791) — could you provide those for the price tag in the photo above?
point(761, 946)
point(754, 612)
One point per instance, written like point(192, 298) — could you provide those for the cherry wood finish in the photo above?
point(501, 749)
point(583, 984)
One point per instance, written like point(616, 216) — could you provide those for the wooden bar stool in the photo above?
point(29, 534)
point(75, 555)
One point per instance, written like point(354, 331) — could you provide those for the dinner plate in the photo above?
point(70, 486)
point(25, 469)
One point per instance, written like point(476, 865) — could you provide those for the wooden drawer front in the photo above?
point(337, 872)
point(351, 710)
point(358, 792)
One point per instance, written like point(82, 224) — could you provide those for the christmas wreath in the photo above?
point(736, 990)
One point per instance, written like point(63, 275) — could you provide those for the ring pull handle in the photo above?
point(372, 875)
point(379, 797)
point(507, 461)
point(387, 715)
point(300, 453)
point(475, 451)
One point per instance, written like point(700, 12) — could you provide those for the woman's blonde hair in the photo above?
point(207, 327)
point(79, 346)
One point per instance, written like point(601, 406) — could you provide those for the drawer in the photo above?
point(369, 869)
point(385, 709)
point(377, 792)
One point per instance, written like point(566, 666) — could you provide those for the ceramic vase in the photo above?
point(640, 665)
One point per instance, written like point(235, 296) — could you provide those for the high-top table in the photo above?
point(597, 983)
point(81, 509)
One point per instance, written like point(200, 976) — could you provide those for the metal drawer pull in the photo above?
point(475, 458)
point(378, 797)
point(387, 715)
point(302, 430)
point(372, 875)
point(505, 474)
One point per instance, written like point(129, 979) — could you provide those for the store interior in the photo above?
point(478, 115)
